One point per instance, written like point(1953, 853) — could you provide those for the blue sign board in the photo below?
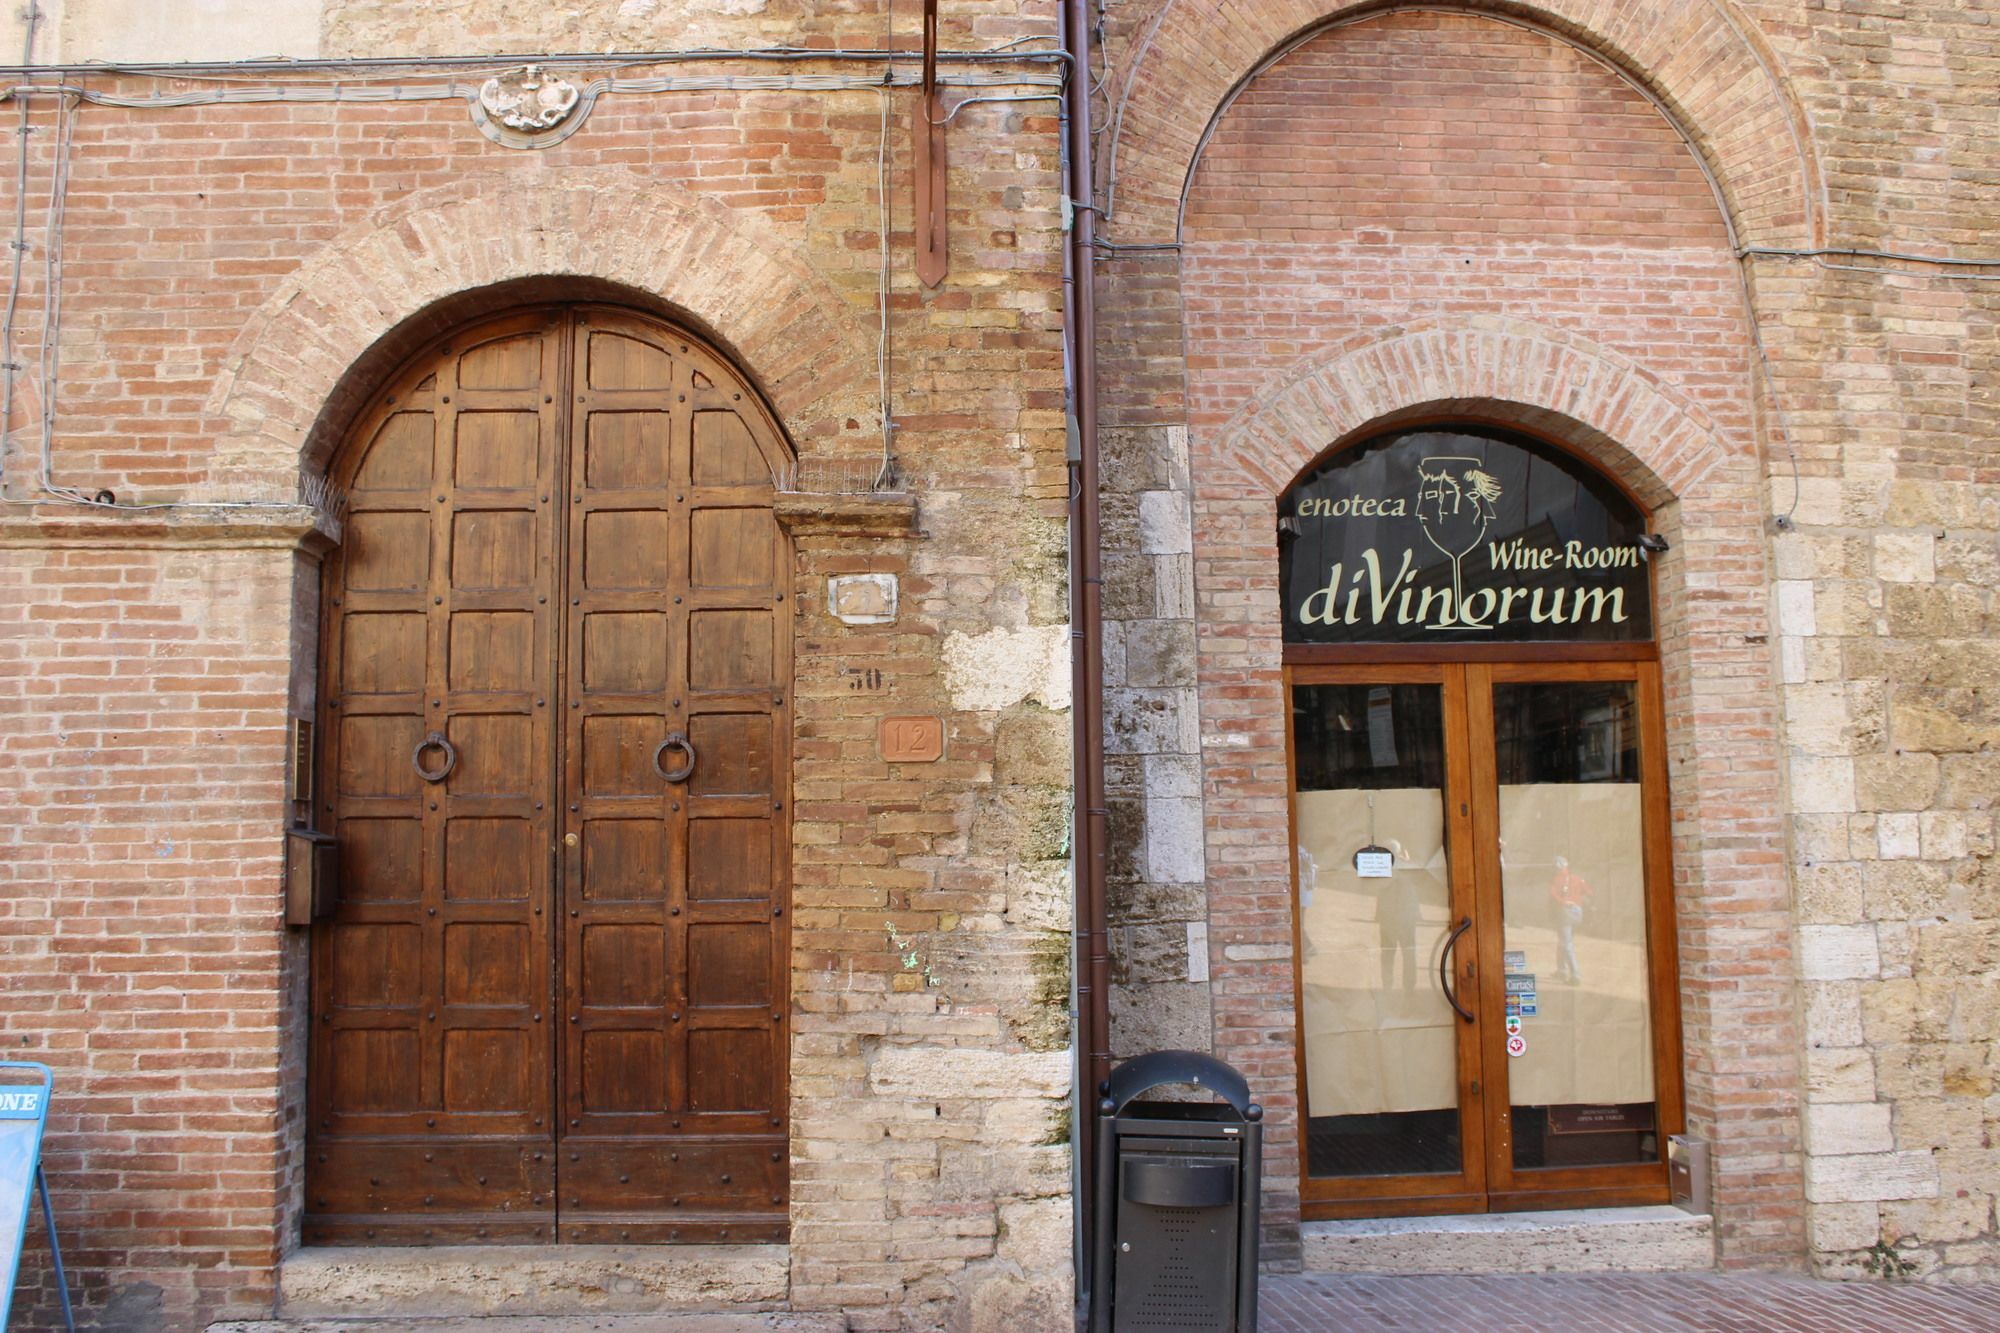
point(24, 1111)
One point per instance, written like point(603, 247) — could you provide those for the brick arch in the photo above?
point(298, 368)
point(1623, 417)
point(1707, 69)
point(1703, 485)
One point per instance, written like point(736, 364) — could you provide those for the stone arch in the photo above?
point(300, 367)
point(1707, 70)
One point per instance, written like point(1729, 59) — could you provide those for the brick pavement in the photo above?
point(1618, 1303)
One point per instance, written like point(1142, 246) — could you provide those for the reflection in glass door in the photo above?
point(1385, 1043)
point(1479, 859)
point(1573, 890)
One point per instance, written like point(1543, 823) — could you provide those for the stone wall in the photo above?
point(237, 278)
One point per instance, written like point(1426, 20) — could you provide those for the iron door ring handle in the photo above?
point(1444, 969)
point(676, 740)
point(435, 741)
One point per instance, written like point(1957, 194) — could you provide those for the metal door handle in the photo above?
point(676, 740)
point(1444, 969)
point(435, 741)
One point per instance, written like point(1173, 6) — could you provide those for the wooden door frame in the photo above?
point(1466, 674)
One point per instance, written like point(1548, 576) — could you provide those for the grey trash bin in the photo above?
point(1177, 1192)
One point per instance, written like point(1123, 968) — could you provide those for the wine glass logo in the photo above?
point(1455, 508)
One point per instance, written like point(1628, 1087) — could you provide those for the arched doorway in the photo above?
point(1486, 990)
point(550, 1000)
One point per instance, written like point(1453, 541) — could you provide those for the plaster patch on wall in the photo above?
point(146, 30)
point(958, 1072)
point(1197, 951)
point(1003, 667)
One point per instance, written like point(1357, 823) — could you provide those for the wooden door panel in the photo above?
point(643, 642)
point(398, 458)
point(488, 859)
point(619, 360)
point(530, 505)
point(374, 756)
point(491, 651)
point(373, 1069)
point(625, 652)
point(493, 550)
point(432, 981)
point(624, 1075)
point(375, 965)
point(379, 860)
point(511, 360)
point(625, 860)
point(624, 965)
point(383, 653)
point(725, 452)
point(730, 650)
point(729, 860)
point(628, 450)
point(736, 753)
point(732, 547)
point(729, 1070)
point(617, 758)
point(488, 1070)
point(627, 550)
point(474, 1192)
point(487, 963)
point(387, 551)
point(496, 450)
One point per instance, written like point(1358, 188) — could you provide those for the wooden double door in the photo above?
point(550, 999)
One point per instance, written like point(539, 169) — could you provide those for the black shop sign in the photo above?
point(1461, 536)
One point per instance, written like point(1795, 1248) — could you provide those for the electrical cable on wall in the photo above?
point(71, 95)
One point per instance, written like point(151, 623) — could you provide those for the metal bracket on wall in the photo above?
point(933, 241)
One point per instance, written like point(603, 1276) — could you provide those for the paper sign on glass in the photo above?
point(1374, 865)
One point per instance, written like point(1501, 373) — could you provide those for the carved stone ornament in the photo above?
point(527, 99)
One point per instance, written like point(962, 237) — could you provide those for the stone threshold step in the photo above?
point(1657, 1239)
point(539, 1282)
point(709, 1322)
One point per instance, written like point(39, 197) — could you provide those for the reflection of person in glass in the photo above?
point(1396, 911)
point(1570, 892)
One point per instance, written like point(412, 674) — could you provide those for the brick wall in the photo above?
point(1423, 209)
point(236, 279)
point(143, 708)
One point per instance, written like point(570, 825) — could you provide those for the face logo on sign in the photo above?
point(1432, 536)
point(1455, 508)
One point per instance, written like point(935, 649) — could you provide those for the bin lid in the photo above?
point(1143, 1073)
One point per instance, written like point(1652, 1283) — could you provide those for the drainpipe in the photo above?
point(1086, 579)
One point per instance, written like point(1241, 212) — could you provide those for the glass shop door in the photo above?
point(1384, 880)
point(1484, 936)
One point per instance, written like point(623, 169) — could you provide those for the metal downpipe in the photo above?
point(1093, 958)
